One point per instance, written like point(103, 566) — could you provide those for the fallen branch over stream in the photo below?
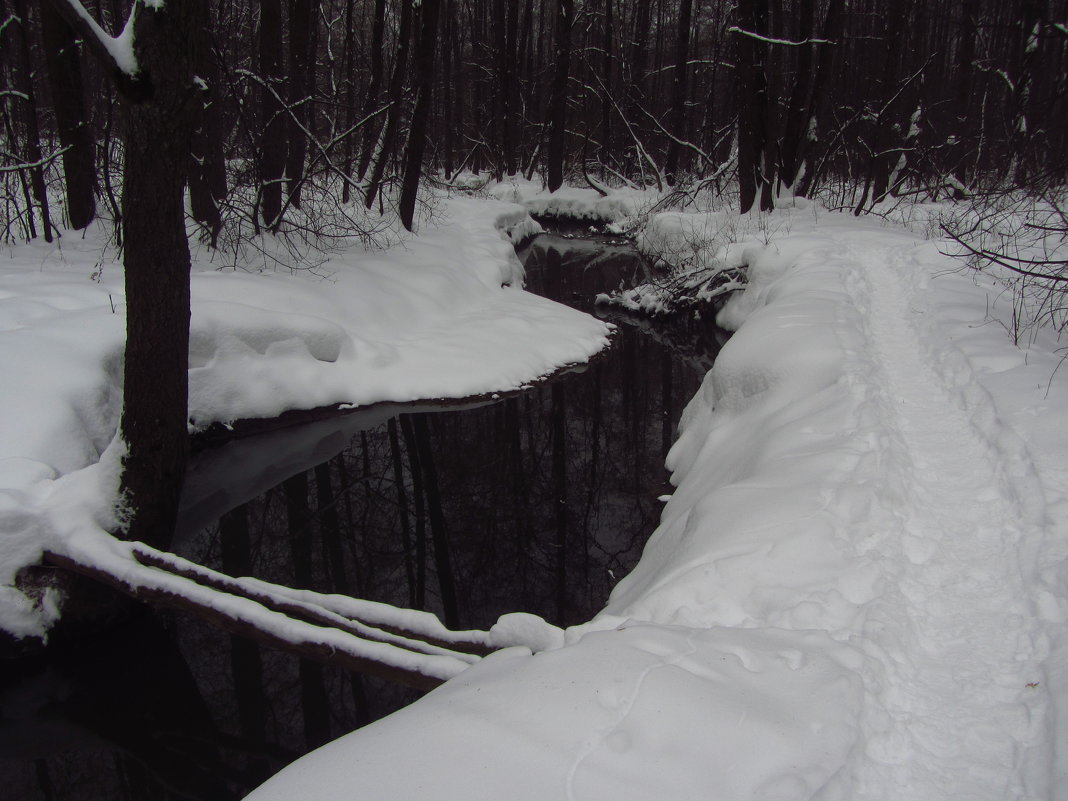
point(407, 646)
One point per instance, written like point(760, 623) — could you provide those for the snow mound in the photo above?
point(574, 203)
point(634, 713)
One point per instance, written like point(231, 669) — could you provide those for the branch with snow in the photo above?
point(259, 612)
point(408, 646)
point(118, 51)
point(773, 40)
point(29, 165)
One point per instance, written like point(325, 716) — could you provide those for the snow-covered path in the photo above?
point(960, 698)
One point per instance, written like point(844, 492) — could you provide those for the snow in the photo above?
point(438, 316)
point(858, 589)
point(575, 203)
point(121, 47)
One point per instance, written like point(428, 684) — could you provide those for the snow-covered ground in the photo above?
point(857, 591)
point(441, 315)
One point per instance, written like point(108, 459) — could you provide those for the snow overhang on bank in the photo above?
point(439, 315)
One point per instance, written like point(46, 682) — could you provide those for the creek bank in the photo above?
point(591, 443)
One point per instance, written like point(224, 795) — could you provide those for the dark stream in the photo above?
point(538, 502)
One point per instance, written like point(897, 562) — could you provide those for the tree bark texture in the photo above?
point(156, 260)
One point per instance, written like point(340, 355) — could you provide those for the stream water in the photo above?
point(538, 502)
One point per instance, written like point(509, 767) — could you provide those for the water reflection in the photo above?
point(539, 503)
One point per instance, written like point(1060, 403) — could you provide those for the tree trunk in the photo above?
point(424, 96)
point(558, 557)
point(24, 84)
point(609, 84)
point(207, 168)
point(679, 86)
point(273, 126)
point(966, 137)
point(162, 116)
point(438, 531)
point(375, 88)
point(348, 81)
point(387, 142)
point(302, 15)
point(68, 104)
point(313, 697)
point(246, 666)
point(752, 84)
point(558, 101)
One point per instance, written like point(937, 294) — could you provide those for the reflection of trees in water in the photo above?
point(538, 503)
point(119, 717)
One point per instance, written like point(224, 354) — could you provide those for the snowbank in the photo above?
point(442, 315)
point(857, 590)
point(574, 203)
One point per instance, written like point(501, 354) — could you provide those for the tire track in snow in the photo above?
point(953, 712)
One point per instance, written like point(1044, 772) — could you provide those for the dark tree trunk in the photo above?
point(752, 85)
point(450, 69)
point(68, 103)
point(301, 20)
point(375, 88)
point(679, 87)
point(638, 44)
point(1031, 13)
point(424, 97)
point(402, 508)
point(387, 143)
point(24, 83)
point(348, 80)
point(609, 84)
point(558, 558)
point(798, 110)
point(273, 126)
point(161, 116)
point(314, 701)
point(330, 529)
point(438, 531)
point(966, 137)
point(207, 168)
point(820, 99)
point(505, 28)
point(246, 665)
point(558, 101)
point(416, 468)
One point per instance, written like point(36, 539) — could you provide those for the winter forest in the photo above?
point(856, 100)
point(573, 399)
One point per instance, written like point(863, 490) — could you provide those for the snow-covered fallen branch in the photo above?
point(270, 614)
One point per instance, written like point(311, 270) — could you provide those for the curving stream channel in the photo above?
point(538, 502)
